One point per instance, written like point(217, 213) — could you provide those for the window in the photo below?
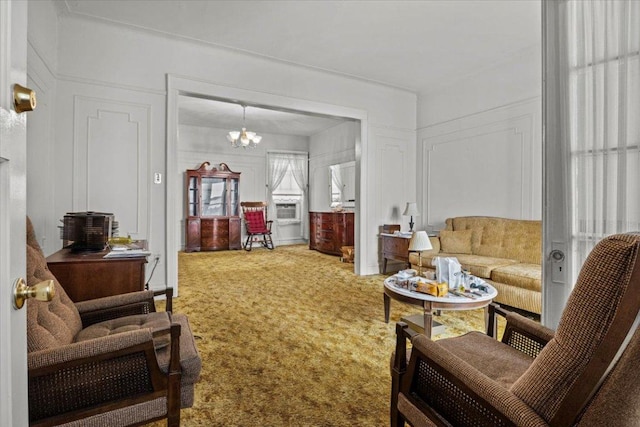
point(287, 195)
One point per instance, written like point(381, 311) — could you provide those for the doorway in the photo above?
point(183, 87)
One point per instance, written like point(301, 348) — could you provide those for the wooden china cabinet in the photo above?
point(213, 209)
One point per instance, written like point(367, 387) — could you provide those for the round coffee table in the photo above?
point(430, 303)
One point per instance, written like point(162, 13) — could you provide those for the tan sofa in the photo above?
point(507, 253)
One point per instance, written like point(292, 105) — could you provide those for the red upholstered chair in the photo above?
point(256, 224)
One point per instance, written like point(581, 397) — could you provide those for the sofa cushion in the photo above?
point(479, 266)
point(457, 242)
point(158, 322)
point(526, 276)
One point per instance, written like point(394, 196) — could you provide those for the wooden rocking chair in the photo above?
point(256, 224)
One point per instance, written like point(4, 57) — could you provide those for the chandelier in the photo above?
point(243, 138)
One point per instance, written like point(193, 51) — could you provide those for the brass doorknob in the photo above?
point(43, 291)
point(24, 99)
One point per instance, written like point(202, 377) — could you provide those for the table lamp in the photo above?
point(420, 242)
point(411, 210)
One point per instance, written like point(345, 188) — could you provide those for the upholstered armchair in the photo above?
point(112, 361)
point(584, 373)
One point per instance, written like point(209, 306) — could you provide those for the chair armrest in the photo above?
point(521, 333)
point(88, 349)
point(87, 378)
point(269, 223)
point(404, 334)
point(129, 304)
point(399, 368)
point(441, 386)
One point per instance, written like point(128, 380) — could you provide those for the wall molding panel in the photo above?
point(110, 151)
point(486, 164)
point(393, 185)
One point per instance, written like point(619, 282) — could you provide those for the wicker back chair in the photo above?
point(112, 361)
point(583, 374)
point(256, 224)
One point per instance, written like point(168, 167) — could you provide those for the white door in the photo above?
point(13, 340)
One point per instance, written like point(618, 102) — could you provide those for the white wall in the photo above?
point(199, 144)
point(480, 146)
point(498, 85)
point(41, 77)
point(110, 76)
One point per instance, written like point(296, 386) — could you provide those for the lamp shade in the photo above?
point(411, 209)
point(420, 241)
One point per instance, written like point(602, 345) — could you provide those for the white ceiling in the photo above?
point(224, 115)
point(419, 46)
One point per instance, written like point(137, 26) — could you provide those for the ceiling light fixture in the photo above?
point(243, 138)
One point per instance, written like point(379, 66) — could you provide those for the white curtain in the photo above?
point(300, 170)
point(336, 179)
point(278, 166)
point(601, 98)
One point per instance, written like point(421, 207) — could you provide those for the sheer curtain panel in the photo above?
point(278, 164)
point(591, 104)
point(299, 164)
point(603, 41)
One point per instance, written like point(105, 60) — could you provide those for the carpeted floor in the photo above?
point(291, 337)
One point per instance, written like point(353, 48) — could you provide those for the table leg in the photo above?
point(489, 323)
point(387, 304)
point(428, 319)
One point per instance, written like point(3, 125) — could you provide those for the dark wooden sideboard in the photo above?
point(330, 231)
point(394, 247)
point(87, 275)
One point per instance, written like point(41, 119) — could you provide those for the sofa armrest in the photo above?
point(129, 304)
point(520, 332)
point(439, 388)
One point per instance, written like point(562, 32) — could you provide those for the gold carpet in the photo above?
point(291, 337)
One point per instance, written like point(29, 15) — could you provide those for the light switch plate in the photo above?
point(157, 178)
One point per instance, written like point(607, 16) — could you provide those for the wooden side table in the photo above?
point(87, 275)
point(394, 247)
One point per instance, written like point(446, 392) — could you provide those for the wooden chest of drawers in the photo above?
point(330, 231)
point(394, 247)
point(89, 275)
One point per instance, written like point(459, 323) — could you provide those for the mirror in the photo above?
point(343, 184)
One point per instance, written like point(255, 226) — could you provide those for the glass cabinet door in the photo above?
point(234, 197)
point(214, 196)
point(192, 203)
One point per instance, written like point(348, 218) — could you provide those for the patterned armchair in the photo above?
point(583, 374)
point(112, 361)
